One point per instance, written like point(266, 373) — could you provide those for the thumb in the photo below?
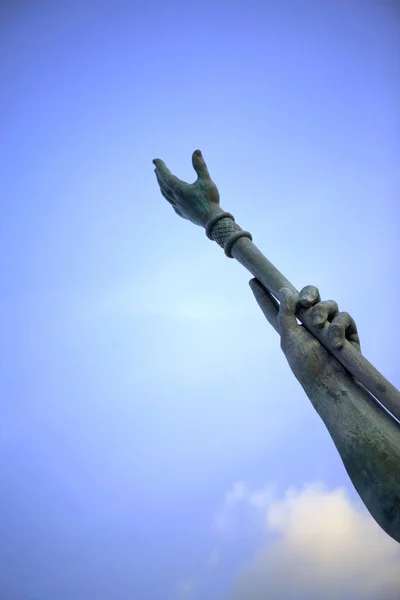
point(199, 165)
point(266, 302)
point(287, 311)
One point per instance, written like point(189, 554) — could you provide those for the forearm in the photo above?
point(368, 441)
point(238, 244)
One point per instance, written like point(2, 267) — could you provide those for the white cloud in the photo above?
point(241, 493)
point(226, 520)
point(236, 494)
point(323, 546)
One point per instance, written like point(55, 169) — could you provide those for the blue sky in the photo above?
point(151, 430)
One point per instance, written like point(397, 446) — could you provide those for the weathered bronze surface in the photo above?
point(323, 353)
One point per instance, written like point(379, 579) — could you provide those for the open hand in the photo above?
point(196, 201)
point(306, 356)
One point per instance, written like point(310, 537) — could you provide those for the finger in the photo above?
point(199, 165)
point(161, 182)
point(168, 199)
point(165, 196)
point(160, 165)
point(266, 302)
point(309, 296)
point(166, 192)
point(287, 311)
point(166, 176)
point(172, 203)
point(323, 312)
point(343, 327)
point(178, 212)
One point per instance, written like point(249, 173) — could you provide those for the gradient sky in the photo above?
point(145, 398)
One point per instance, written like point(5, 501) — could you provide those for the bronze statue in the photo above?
point(324, 352)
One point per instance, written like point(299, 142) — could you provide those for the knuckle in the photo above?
point(333, 306)
point(343, 315)
point(319, 316)
point(336, 328)
point(310, 288)
point(309, 295)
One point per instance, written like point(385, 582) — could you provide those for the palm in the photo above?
point(191, 201)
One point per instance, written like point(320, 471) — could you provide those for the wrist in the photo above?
point(215, 210)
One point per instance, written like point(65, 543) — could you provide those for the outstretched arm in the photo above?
point(366, 437)
point(326, 362)
point(199, 203)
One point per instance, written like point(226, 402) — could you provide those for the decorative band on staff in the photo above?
point(233, 239)
point(212, 222)
point(226, 243)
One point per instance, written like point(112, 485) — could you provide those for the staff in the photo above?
point(324, 355)
point(199, 203)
